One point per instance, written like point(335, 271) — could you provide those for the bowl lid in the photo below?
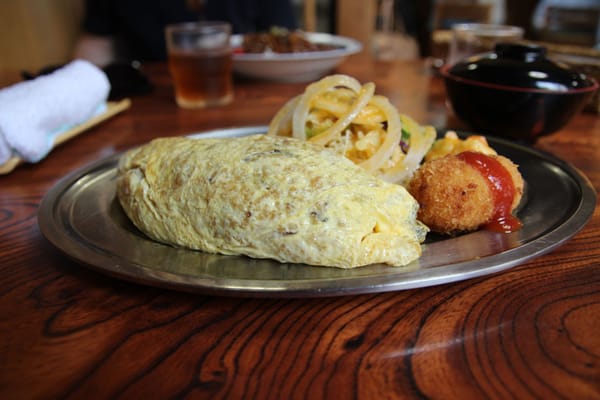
point(520, 66)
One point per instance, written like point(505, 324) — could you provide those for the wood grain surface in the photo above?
point(532, 332)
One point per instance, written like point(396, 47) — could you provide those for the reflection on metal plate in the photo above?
point(82, 217)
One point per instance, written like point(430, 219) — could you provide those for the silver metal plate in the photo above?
point(81, 216)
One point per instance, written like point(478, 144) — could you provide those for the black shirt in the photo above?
point(138, 25)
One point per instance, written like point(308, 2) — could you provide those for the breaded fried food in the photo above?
point(457, 194)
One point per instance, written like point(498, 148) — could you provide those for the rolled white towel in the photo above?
point(33, 112)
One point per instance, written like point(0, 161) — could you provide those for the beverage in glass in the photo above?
point(199, 56)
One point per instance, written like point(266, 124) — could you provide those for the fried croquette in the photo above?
point(455, 196)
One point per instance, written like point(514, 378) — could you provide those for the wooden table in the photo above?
point(69, 332)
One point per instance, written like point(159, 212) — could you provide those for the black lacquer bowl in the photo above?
point(516, 92)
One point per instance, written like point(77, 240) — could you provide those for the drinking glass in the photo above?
point(473, 38)
point(200, 63)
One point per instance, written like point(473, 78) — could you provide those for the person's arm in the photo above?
point(99, 50)
point(96, 41)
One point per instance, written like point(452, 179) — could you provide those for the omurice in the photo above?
point(268, 197)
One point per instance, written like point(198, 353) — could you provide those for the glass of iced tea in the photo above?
point(199, 55)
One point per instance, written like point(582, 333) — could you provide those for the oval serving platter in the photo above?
point(81, 216)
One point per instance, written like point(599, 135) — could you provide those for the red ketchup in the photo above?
point(502, 187)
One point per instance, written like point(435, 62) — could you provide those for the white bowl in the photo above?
point(294, 67)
